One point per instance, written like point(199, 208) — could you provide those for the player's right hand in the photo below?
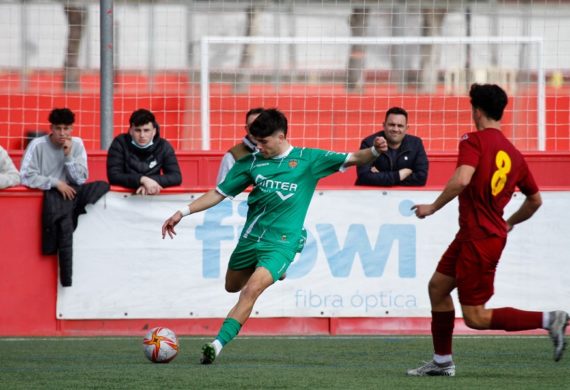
point(169, 224)
point(381, 144)
point(67, 191)
point(423, 210)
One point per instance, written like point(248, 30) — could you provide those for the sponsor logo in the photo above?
point(266, 185)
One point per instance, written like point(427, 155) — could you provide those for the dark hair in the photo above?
point(489, 98)
point(61, 116)
point(253, 111)
point(396, 111)
point(268, 122)
point(141, 117)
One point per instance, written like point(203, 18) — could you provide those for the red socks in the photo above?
point(511, 319)
point(442, 323)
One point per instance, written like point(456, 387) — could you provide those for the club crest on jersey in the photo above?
point(293, 163)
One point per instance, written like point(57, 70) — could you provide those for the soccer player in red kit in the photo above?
point(489, 169)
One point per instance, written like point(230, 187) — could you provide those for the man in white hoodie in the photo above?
point(57, 164)
point(9, 175)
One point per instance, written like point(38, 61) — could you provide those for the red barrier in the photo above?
point(28, 280)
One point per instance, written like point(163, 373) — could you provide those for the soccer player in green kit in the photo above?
point(283, 179)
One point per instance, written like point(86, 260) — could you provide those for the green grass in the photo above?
point(277, 363)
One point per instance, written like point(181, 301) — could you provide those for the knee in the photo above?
point(232, 287)
point(435, 291)
point(474, 321)
point(251, 291)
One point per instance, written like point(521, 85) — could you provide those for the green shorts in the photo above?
point(276, 259)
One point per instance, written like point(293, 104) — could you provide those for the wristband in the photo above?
point(374, 151)
point(185, 211)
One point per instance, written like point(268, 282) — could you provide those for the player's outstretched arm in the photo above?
point(365, 156)
point(204, 202)
point(460, 179)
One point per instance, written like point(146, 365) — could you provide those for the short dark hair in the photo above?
point(396, 111)
point(268, 122)
point(489, 98)
point(61, 116)
point(141, 117)
point(253, 111)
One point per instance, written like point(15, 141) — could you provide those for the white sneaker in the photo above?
point(557, 328)
point(433, 369)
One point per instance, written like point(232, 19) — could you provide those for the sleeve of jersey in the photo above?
point(469, 151)
point(237, 179)
point(325, 163)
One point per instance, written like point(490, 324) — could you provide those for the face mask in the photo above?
point(142, 146)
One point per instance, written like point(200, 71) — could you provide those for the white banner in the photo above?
point(367, 256)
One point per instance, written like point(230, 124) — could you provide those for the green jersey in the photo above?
point(283, 187)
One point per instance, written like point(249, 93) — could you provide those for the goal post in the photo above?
point(493, 74)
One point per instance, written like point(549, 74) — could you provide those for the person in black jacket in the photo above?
point(140, 159)
point(405, 163)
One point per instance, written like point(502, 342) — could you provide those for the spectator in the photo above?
point(245, 147)
point(141, 159)
point(405, 164)
point(9, 176)
point(57, 164)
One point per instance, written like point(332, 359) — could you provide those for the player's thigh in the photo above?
point(476, 268)
point(241, 266)
point(275, 259)
point(236, 279)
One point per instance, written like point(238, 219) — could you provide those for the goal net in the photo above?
point(335, 90)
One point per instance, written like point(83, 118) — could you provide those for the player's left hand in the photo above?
point(380, 144)
point(423, 210)
point(170, 223)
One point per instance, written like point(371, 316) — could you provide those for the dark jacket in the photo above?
point(126, 163)
point(411, 154)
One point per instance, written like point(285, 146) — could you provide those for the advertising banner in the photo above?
point(367, 255)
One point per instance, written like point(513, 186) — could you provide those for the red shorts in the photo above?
point(473, 265)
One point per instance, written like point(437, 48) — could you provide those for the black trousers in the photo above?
point(59, 220)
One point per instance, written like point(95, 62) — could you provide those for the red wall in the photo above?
point(28, 280)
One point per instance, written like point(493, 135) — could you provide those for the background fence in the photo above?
point(333, 94)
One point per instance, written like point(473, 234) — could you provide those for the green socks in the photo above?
point(230, 329)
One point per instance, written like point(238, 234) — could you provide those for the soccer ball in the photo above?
point(160, 345)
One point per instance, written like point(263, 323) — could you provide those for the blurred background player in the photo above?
point(57, 164)
point(245, 147)
point(405, 163)
point(141, 159)
point(9, 175)
point(284, 179)
point(489, 168)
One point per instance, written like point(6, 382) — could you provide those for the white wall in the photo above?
point(177, 24)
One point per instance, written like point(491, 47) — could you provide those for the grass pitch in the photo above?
point(486, 362)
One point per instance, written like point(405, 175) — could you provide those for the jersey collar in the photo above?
point(284, 154)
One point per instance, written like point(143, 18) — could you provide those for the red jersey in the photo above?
point(499, 169)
